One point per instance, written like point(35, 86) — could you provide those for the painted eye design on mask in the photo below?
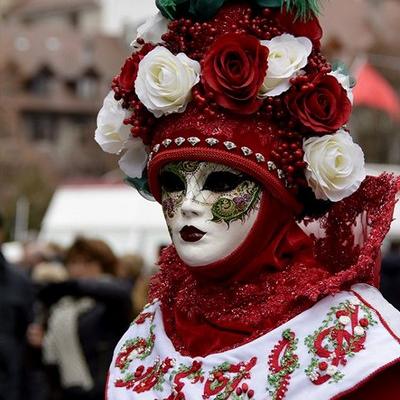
point(171, 182)
point(223, 181)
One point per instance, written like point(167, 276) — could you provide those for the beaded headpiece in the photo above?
point(241, 83)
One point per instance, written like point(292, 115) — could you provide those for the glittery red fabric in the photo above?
point(385, 386)
point(234, 311)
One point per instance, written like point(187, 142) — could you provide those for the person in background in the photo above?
point(88, 314)
point(141, 287)
point(42, 275)
point(16, 298)
point(131, 268)
point(390, 278)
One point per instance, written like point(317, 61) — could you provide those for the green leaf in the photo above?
point(171, 9)
point(205, 9)
point(303, 9)
point(269, 3)
point(167, 8)
point(141, 185)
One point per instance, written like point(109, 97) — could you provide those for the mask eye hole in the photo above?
point(171, 182)
point(223, 181)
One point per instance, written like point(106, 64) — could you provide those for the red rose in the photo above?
point(364, 322)
point(342, 313)
point(323, 366)
point(297, 27)
point(127, 77)
point(323, 106)
point(234, 70)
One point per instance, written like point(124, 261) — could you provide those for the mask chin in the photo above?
point(217, 244)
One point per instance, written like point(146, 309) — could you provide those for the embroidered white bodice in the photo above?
point(336, 345)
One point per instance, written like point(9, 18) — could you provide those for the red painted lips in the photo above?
point(191, 234)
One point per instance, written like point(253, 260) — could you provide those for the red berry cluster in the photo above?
point(288, 155)
point(205, 101)
point(123, 86)
point(194, 38)
point(244, 390)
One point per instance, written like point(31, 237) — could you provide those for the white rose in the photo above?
point(111, 133)
point(153, 29)
point(344, 80)
point(165, 81)
point(133, 162)
point(332, 369)
point(359, 331)
point(335, 165)
point(287, 56)
point(344, 320)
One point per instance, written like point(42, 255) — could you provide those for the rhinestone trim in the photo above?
point(166, 142)
point(246, 151)
point(179, 141)
point(212, 141)
point(271, 166)
point(230, 145)
point(260, 158)
point(194, 140)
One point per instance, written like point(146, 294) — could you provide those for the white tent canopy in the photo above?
point(115, 213)
point(128, 222)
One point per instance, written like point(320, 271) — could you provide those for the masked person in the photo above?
point(230, 117)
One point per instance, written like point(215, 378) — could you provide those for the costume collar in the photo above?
point(324, 352)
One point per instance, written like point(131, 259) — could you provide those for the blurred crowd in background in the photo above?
point(62, 312)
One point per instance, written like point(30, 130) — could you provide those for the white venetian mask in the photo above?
point(209, 209)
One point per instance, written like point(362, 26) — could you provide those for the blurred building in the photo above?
point(57, 59)
point(364, 34)
point(55, 69)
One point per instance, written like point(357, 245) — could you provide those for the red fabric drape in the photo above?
point(274, 275)
point(250, 292)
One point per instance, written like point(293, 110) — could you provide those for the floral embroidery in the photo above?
point(242, 393)
point(282, 363)
point(143, 380)
point(139, 347)
point(193, 373)
point(341, 336)
point(223, 385)
point(238, 205)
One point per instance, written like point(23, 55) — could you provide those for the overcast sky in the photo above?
point(118, 12)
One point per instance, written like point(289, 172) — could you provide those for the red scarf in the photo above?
point(271, 278)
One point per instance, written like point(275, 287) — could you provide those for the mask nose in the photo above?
point(190, 207)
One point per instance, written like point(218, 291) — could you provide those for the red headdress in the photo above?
point(244, 83)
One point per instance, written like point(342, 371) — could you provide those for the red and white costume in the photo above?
point(286, 315)
point(296, 360)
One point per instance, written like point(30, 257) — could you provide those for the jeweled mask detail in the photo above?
point(209, 209)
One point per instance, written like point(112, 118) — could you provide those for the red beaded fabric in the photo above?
point(233, 311)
